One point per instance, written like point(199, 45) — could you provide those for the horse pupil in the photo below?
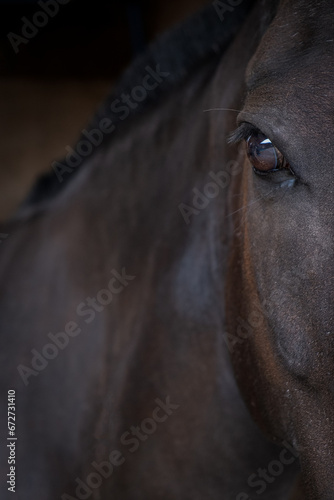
point(261, 153)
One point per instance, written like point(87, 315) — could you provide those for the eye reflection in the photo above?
point(263, 155)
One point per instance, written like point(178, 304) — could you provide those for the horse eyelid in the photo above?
point(242, 133)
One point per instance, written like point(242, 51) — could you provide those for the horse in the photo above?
point(166, 292)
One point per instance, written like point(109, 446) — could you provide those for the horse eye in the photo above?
point(263, 155)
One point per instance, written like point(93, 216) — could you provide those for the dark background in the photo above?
point(51, 87)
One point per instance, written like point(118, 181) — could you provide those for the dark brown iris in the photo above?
point(263, 155)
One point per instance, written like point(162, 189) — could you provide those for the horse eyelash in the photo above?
point(242, 133)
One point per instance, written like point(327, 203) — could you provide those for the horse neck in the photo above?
point(160, 161)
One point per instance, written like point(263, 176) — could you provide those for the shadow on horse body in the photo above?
point(128, 289)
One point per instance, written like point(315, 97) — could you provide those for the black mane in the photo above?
point(178, 52)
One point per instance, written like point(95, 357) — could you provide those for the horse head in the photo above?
point(280, 278)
